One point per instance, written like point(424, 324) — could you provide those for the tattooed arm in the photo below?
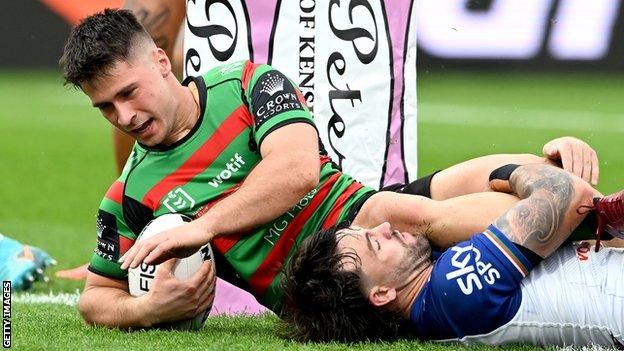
point(163, 20)
point(547, 213)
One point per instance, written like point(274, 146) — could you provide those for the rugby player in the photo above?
point(237, 150)
point(507, 284)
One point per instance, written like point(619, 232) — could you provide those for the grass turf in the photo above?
point(57, 163)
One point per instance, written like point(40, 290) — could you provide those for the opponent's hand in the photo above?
point(575, 156)
point(171, 299)
point(178, 242)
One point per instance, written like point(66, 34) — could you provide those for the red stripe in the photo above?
point(222, 244)
point(115, 192)
point(234, 124)
point(272, 263)
point(124, 244)
point(301, 98)
point(334, 213)
point(248, 72)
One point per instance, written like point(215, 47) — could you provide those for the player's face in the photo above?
point(388, 257)
point(134, 97)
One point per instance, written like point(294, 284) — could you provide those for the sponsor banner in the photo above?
point(354, 60)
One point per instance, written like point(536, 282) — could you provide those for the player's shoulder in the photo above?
point(233, 71)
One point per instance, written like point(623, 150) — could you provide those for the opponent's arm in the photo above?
point(106, 301)
point(469, 177)
point(548, 211)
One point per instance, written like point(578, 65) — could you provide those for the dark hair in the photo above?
point(97, 43)
point(325, 302)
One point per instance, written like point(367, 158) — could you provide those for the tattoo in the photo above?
point(533, 222)
point(154, 22)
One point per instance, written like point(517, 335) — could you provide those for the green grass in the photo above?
point(57, 162)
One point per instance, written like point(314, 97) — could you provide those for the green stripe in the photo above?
point(108, 267)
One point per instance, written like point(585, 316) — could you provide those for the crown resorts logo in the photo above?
point(99, 227)
point(272, 85)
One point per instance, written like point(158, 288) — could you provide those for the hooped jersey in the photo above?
point(473, 288)
point(478, 292)
point(241, 103)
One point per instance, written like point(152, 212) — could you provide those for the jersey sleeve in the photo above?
point(114, 237)
point(474, 288)
point(273, 101)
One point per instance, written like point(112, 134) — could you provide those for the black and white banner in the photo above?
point(354, 60)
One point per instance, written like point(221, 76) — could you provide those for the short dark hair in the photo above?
point(325, 302)
point(97, 43)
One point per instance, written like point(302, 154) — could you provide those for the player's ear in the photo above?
point(380, 295)
point(162, 61)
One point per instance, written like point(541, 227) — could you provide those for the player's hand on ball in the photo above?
point(575, 156)
point(178, 242)
point(171, 299)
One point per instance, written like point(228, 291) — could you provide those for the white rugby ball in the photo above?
point(140, 278)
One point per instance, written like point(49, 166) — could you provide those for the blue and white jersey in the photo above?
point(473, 288)
point(477, 294)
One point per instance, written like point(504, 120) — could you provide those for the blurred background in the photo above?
point(494, 76)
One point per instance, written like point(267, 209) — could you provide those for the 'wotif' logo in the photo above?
point(272, 85)
point(231, 167)
point(178, 200)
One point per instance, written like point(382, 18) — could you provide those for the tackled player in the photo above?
point(285, 190)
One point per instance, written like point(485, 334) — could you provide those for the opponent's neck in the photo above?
point(408, 293)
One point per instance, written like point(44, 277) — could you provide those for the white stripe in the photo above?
point(493, 116)
point(502, 249)
point(69, 299)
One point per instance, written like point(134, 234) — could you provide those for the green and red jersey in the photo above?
point(241, 103)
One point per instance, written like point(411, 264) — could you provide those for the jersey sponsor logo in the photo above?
point(178, 200)
point(231, 167)
point(108, 238)
point(582, 251)
point(273, 94)
point(278, 226)
point(470, 276)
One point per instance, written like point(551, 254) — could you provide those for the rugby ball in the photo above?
point(140, 279)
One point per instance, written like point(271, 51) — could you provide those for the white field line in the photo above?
point(509, 117)
point(68, 299)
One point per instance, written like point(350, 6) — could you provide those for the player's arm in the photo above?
point(106, 301)
point(289, 169)
point(549, 207)
point(572, 154)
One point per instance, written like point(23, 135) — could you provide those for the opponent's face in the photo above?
point(134, 96)
point(389, 259)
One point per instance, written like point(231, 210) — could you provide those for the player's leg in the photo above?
point(22, 264)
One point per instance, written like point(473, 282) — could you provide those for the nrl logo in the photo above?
point(178, 200)
point(272, 85)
